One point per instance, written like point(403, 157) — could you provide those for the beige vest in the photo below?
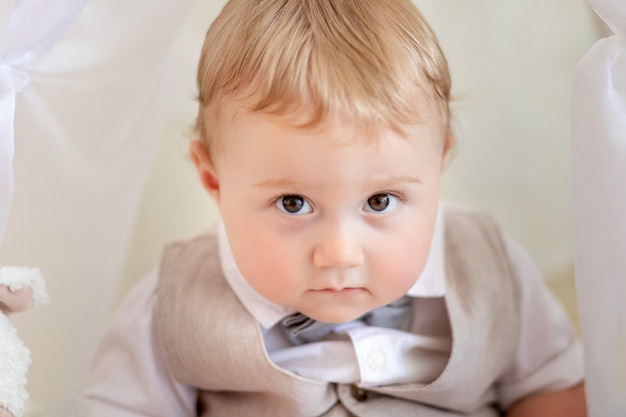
point(214, 344)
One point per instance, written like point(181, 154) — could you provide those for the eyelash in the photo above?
point(400, 201)
point(275, 202)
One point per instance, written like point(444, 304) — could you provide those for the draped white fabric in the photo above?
point(599, 203)
point(86, 132)
point(89, 125)
point(28, 29)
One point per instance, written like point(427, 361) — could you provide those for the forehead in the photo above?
point(329, 161)
point(234, 118)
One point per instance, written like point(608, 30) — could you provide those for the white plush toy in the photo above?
point(20, 289)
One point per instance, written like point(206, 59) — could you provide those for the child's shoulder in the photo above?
point(190, 248)
point(458, 211)
point(466, 224)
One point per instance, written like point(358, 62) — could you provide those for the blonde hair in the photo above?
point(375, 60)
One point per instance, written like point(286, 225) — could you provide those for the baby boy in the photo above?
point(335, 283)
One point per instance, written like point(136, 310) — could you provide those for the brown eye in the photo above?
point(293, 204)
point(378, 202)
point(381, 203)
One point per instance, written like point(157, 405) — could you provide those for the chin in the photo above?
point(337, 317)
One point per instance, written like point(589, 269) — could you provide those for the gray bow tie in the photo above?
point(301, 329)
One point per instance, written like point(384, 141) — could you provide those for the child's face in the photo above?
point(322, 221)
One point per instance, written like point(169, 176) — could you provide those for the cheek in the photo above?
point(407, 262)
point(268, 263)
point(402, 263)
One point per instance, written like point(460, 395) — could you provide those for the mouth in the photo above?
point(343, 290)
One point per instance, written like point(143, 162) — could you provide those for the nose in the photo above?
point(338, 247)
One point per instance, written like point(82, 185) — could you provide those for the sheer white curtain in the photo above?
point(86, 132)
point(599, 202)
point(28, 29)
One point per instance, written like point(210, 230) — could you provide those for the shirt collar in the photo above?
point(431, 283)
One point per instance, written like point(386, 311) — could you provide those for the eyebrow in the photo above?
point(282, 183)
point(276, 184)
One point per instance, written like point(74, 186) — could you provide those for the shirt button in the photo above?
point(376, 360)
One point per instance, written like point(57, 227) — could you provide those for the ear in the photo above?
point(205, 168)
point(448, 148)
point(449, 144)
